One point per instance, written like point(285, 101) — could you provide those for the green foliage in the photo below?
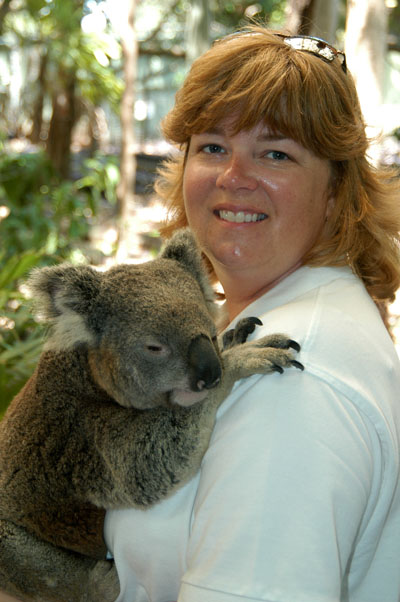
point(234, 14)
point(168, 20)
point(44, 212)
point(100, 178)
point(20, 335)
point(96, 59)
point(48, 219)
point(52, 28)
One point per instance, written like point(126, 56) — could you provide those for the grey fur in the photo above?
point(118, 413)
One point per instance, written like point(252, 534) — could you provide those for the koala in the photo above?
point(118, 412)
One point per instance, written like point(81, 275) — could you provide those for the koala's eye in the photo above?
point(156, 349)
point(214, 341)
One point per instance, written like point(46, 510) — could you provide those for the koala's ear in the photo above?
point(63, 295)
point(182, 247)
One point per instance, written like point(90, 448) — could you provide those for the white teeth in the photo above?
point(240, 217)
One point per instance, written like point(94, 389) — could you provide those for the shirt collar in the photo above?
point(295, 285)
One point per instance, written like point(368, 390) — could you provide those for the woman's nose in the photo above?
point(236, 174)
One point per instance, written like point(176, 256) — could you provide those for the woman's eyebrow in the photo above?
point(262, 137)
point(268, 137)
point(213, 131)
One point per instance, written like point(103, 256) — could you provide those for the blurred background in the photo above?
point(84, 85)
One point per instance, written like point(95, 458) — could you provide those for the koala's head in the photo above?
point(149, 328)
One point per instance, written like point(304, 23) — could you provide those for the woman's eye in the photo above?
point(277, 155)
point(212, 148)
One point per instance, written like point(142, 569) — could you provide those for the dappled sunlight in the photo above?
point(143, 242)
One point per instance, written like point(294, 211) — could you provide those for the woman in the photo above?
point(298, 496)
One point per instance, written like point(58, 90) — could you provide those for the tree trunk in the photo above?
point(313, 18)
point(37, 115)
point(298, 16)
point(127, 237)
point(62, 121)
point(325, 19)
point(197, 29)
point(366, 45)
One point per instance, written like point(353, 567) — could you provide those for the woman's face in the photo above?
point(256, 202)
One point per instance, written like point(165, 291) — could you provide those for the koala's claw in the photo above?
point(251, 320)
point(294, 363)
point(297, 364)
point(239, 334)
point(294, 345)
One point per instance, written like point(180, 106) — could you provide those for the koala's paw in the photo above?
point(277, 350)
point(239, 334)
point(272, 353)
point(103, 582)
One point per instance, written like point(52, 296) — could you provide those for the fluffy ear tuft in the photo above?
point(63, 296)
point(182, 247)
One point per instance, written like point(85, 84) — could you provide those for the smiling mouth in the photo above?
point(240, 217)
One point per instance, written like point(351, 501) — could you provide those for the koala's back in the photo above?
point(47, 461)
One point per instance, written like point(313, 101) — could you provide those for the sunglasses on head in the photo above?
point(315, 46)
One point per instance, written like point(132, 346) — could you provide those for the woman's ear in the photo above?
point(330, 205)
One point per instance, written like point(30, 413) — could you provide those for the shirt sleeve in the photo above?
point(283, 490)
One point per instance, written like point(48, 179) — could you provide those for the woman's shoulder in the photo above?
point(344, 343)
point(325, 308)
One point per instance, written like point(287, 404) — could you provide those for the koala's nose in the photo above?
point(204, 365)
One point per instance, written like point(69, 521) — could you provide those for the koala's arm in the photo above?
point(147, 454)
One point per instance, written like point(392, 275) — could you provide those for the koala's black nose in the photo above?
point(204, 365)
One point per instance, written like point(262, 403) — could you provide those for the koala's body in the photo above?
point(118, 413)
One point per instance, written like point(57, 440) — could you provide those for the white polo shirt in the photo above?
point(298, 496)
